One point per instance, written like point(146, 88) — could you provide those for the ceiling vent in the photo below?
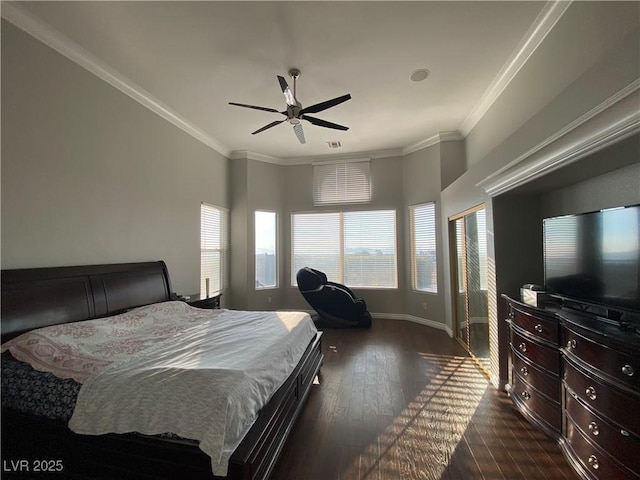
point(334, 144)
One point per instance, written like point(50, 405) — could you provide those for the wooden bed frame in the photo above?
point(34, 298)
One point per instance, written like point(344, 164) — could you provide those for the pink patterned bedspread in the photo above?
point(57, 349)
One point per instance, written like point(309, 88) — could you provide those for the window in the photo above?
point(354, 248)
point(213, 251)
point(336, 183)
point(423, 247)
point(266, 272)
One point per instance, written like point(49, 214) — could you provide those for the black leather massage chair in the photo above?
point(336, 304)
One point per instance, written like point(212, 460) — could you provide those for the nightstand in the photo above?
point(199, 301)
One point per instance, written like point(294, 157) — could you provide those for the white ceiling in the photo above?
point(192, 58)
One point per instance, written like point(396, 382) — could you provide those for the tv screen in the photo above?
point(595, 257)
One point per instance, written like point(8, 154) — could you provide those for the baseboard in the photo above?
point(414, 319)
point(395, 316)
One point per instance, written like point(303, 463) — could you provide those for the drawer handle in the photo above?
point(593, 428)
point(522, 347)
point(591, 393)
point(628, 370)
point(571, 344)
point(624, 433)
point(526, 395)
point(538, 328)
point(593, 461)
point(524, 371)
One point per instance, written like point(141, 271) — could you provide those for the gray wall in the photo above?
point(91, 176)
point(238, 296)
point(620, 187)
point(386, 191)
point(421, 184)
point(266, 192)
point(569, 51)
point(514, 254)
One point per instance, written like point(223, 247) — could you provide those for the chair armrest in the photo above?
point(361, 305)
point(342, 287)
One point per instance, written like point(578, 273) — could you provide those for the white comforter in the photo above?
point(205, 383)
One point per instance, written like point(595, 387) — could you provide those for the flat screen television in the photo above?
point(594, 259)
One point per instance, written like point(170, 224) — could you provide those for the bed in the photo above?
point(61, 296)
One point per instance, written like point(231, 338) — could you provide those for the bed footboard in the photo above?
point(30, 438)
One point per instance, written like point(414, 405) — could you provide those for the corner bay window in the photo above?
point(354, 248)
point(213, 251)
point(424, 270)
point(265, 246)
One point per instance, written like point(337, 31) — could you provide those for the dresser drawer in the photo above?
point(536, 404)
point(595, 461)
point(544, 356)
point(614, 440)
point(547, 329)
point(620, 407)
point(618, 365)
point(549, 385)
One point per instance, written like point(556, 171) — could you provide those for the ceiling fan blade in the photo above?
point(288, 94)
point(297, 128)
point(266, 109)
point(323, 123)
point(272, 124)
point(318, 107)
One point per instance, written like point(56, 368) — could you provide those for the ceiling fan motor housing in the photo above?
point(293, 113)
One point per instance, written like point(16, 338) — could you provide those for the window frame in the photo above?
point(275, 253)
point(413, 247)
point(222, 248)
point(341, 242)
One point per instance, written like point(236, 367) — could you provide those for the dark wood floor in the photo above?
point(403, 401)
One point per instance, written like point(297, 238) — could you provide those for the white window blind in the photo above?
point(423, 247)
point(213, 222)
point(266, 265)
point(482, 247)
point(370, 249)
point(316, 242)
point(337, 183)
point(354, 248)
point(460, 241)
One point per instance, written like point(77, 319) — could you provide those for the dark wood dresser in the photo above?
point(601, 397)
point(577, 378)
point(534, 384)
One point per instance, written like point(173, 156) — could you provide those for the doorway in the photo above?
point(468, 231)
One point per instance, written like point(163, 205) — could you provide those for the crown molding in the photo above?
point(46, 34)
point(345, 157)
point(434, 140)
point(609, 122)
point(249, 155)
point(539, 29)
point(21, 18)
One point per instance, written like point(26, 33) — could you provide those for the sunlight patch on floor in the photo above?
point(427, 431)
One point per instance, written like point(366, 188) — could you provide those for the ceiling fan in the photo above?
point(295, 112)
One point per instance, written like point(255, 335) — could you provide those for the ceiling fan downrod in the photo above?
point(295, 74)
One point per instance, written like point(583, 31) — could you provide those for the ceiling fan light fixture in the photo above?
point(419, 75)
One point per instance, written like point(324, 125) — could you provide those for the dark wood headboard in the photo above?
point(39, 297)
